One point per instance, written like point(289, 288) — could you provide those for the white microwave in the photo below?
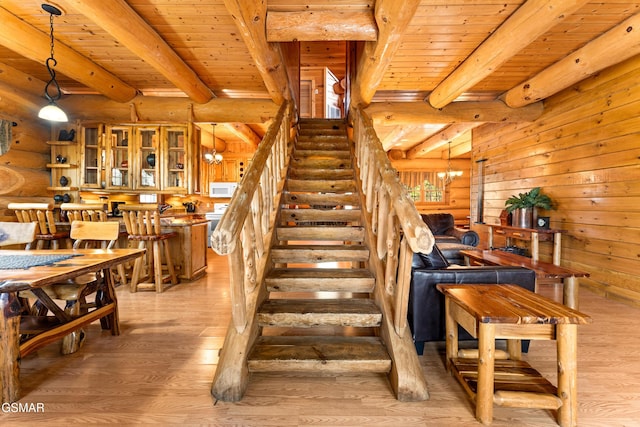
point(222, 189)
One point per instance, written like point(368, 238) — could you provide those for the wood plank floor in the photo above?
point(159, 371)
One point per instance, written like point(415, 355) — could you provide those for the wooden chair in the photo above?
point(42, 214)
point(143, 226)
point(75, 292)
point(17, 233)
point(84, 211)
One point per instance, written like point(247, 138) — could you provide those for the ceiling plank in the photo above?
point(244, 132)
point(31, 43)
point(524, 26)
point(168, 110)
point(620, 43)
point(436, 141)
point(117, 18)
point(418, 113)
point(392, 18)
point(321, 25)
point(399, 132)
point(250, 17)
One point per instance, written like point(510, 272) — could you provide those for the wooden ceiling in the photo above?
point(424, 54)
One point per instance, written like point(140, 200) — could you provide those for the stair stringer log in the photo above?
point(406, 377)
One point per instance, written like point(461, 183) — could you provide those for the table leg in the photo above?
point(451, 327)
point(486, 364)
point(10, 345)
point(570, 290)
point(567, 342)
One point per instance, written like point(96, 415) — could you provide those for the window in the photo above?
point(423, 186)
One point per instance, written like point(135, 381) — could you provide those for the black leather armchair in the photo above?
point(443, 227)
point(426, 313)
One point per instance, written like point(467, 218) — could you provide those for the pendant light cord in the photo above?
point(51, 63)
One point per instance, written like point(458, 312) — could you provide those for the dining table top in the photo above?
point(27, 269)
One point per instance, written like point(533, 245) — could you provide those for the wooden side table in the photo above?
point(489, 312)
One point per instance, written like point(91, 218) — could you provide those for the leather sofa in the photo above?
point(426, 314)
point(443, 227)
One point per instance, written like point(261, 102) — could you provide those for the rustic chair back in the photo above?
point(84, 211)
point(85, 232)
point(42, 214)
point(17, 233)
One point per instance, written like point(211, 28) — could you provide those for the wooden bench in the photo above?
point(489, 312)
point(544, 270)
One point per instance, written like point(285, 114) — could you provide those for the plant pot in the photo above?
point(522, 218)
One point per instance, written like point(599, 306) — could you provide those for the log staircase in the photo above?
point(319, 268)
point(319, 316)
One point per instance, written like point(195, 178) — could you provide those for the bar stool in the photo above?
point(93, 212)
point(143, 226)
point(46, 230)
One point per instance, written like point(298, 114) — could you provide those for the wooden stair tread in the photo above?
point(337, 144)
point(319, 354)
point(321, 185)
point(334, 199)
point(319, 280)
point(319, 253)
point(357, 312)
point(306, 162)
point(346, 233)
point(320, 215)
point(320, 173)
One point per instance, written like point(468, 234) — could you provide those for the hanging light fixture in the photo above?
point(51, 111)
point(449, 175)
point(213, 157)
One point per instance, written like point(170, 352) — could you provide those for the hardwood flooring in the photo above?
point(159, 371)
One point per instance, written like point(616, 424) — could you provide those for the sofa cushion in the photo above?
point(430, 261)
point(451, 251)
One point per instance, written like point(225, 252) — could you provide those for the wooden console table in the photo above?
point(490, 312)
point(544, 270)
point(533, 235)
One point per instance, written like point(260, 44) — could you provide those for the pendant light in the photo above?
point(449, 175)
point(213, 157)
point(51, 111)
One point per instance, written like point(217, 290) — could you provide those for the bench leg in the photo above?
point(486, 364)
point(567, 343)
point(570, 292)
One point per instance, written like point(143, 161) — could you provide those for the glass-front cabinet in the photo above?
point(119, 163)
point(93, 156)
point(175, 156)
point(147, 158)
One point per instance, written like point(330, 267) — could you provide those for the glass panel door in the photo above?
point(119, 158)
point(148, 158)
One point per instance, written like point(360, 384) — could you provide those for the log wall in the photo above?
point(24, 176)
point(584, 152)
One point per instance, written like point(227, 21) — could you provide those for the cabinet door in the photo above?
point(147, 164)
point(92, 156)
point(119, 159)
point(230, 170)
point(174, 158)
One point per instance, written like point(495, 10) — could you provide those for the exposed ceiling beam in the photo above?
point(441, 138)
point(396, 134)
point(419, 113)
point(17, 103)
point(524, 26)
point(250, 17)
point(31, 43)
point(117, 18)
point(161, 110)
point(25, 82)
point(244, 132)
point(620, 43)
point(321, 25)
point(392, 18)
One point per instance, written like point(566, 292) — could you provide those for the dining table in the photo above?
point(22, 330)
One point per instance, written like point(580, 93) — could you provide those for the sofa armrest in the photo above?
point(466, 237)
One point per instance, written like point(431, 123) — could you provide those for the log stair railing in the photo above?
point(310, 292)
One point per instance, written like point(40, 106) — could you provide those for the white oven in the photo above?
point(214, 218)
point(222, 189)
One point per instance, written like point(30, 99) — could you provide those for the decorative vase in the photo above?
point(66, 198)
point(151, 160)
point(64, 181)
point(522, 218)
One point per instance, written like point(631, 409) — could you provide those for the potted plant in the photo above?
point(523, 207)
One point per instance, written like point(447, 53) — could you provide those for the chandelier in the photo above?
point(51, 111)
point(213, 157)
point(449, 175)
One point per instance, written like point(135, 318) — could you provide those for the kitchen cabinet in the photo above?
point(232, 170)
point(175, 158)
point(92, 157)
point(147, 161)
point(119, 158)
point(189, 248)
